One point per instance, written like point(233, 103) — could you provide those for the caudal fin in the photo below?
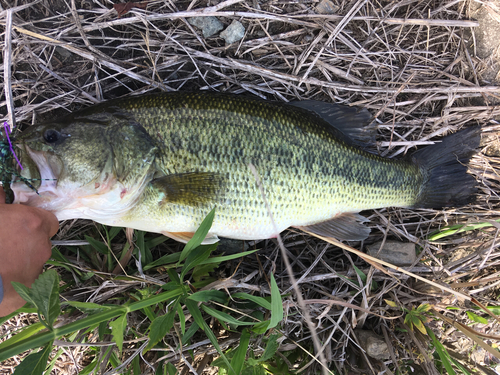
point(447, 182)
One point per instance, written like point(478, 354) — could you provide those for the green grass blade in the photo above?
point(361, 274)
point(458, 228)
point(476, 318)
point(25, 333)
point(276, 304)
point(166, 259)
point(35, 363)
point(196, 257)
point(98, 245)
point(198, 318)
point(238, 360)
point(209, 295)
point(442, 353)
point(258, 300)
point(462, 369)
point(228, 257)
point(13, 347)
point(199, 236)
point(221, 316)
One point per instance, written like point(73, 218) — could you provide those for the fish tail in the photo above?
point(444, 165)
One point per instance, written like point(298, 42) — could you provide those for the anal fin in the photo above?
point(344, 227)
point(186, 236)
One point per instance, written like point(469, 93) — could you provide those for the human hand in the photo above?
point(24, 248)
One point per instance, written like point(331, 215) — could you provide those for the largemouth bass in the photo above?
point(160, 163)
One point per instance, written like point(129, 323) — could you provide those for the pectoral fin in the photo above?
point(186, 236)
point(192, 188)
point(344, 227)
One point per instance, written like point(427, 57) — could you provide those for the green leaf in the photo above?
point(45, 295)
point(222, 316)
point(26, 332)
point(155, 241)
point(271, 348)
point(199, 236)
point(98, 245)
point(442, 353)
point(146, 255)
point(198, 318)
point(88, 307)
point(35, 363)
point(462, 369)
point(89, 368)
point(118, 329)
point(112, 233)
point(261, 327)
point(240, 353)
point(258, 300)
point(494, 309)
point(203, 271)
point(276, 304)
point(23, 291)
point(209, 295)
point(419, 325)
point(457, 228)
point(390, 303)
point(161, 326)
point(174, 276)
point(360, 273)
point(166, 259)
point(476, 318)
point(171, 369)
point(182, 318)
point(228, 257)
point(196, 256)
point(424, 307)
point(193, 328)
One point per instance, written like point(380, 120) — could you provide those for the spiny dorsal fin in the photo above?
point(192, 188)
point(352, 122)
point(343, 227)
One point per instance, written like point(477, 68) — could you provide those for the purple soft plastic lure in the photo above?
point(7, 129)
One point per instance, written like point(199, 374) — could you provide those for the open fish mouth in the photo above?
point(36, 183)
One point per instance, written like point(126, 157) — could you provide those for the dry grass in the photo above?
point(409, 62)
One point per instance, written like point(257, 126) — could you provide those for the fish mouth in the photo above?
point(36, 182)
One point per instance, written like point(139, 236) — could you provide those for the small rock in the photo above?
point(208, 25)
point(374, 345)
point(326, 7)
point(233, 32)
point(491, 143)
point(397, 253)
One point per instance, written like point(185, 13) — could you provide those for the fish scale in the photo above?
point(303, 185)
point(161, 162)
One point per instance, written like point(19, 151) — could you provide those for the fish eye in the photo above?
point(51, 136)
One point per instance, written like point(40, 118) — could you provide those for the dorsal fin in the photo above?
point(192, 188)
point(353, 122)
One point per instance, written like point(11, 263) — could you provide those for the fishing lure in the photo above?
point(7, 153)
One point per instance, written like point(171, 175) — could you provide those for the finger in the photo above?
point(2, 196)
point(50, 222)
